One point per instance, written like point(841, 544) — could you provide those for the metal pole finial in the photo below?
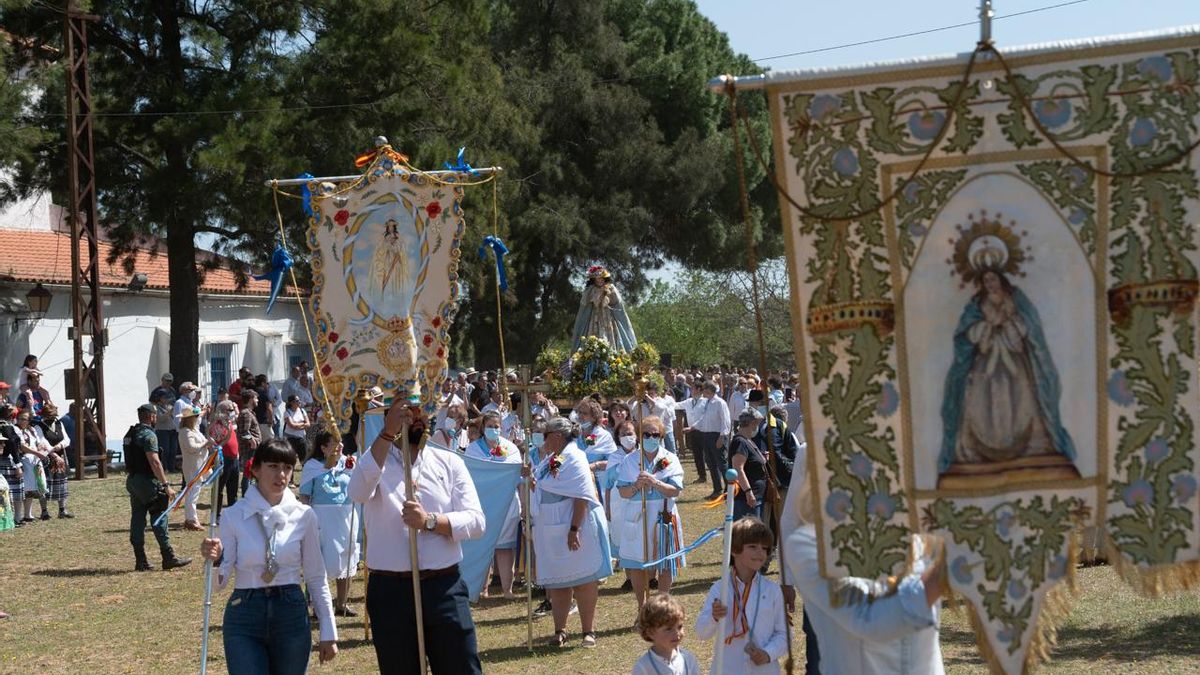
point(985, 22)
point(381, 141)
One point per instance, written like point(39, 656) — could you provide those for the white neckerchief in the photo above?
point(270, 519)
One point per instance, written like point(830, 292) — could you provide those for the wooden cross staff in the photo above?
point(526, 388)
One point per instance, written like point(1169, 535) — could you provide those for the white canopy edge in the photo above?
point(749, 82)
point(485, 171)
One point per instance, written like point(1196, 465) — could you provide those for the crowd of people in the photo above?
point(605, 478)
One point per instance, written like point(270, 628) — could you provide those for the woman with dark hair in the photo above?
point(570, 539)
point(325, 486)
point(618, 412)
point(269, 541)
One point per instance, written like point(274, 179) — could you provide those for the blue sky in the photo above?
point(764, 28)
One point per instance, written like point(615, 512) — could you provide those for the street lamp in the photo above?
point(38, 300)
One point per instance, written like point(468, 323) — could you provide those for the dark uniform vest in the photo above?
point(139, 440)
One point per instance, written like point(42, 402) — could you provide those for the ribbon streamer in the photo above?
point(281, 262)
point(497, 246)
point(215, 463)
point(306, 194)
point(461, 164)
point(700, 541)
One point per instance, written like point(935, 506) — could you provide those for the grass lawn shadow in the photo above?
point(79, 572)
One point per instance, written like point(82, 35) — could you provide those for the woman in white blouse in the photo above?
point(269, 540)
point(194, 447)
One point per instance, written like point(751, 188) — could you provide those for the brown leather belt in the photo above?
point(425, 574)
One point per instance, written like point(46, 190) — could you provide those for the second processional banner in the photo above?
point(994, 268)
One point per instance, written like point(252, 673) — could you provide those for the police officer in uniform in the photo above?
point(148, 489)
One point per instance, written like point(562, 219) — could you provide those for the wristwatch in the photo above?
point(431, 522)
point(574, 528)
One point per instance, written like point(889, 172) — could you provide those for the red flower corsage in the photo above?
point(497, 451)
point(662, 464)
point(554, 465)
point(590, 439)
point(349, 462)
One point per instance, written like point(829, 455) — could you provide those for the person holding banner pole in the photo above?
point(442, 510)
point(492, 446)
point(656, 475)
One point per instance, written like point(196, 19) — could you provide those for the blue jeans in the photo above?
point(266, 631)
point(168, 448)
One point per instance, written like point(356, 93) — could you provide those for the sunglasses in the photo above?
point(651, 435)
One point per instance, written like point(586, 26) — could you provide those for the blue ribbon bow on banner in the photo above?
point(281, 262)
point(460, 164)
point(500, 250)
point(306, 194)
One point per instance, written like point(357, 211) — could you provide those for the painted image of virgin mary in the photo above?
point(1001, 397)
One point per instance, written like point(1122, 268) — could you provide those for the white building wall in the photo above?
point(138, 341)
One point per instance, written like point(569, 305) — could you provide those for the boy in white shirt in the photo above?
point(756, 630)
point(661, 623)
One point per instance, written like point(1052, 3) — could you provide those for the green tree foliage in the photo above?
point(707, 318)
point(23, 68)
point(614, 150)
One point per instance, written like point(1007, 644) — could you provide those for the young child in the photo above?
point(661, 624)
point(755, 628)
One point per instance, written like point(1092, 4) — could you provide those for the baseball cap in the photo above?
point(167, 377)
point(147, 408)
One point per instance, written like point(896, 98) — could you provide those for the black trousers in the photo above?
point(231, 473)
point(693, 443)
point(714, 458)
point(450, 644)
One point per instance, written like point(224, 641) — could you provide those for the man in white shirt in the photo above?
point(446, 511)
point(737, 400)
point(708, 416)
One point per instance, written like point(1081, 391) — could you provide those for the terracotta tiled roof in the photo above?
point(45, 256)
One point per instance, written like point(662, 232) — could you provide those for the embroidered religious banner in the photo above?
point(385, 252)
point(993, 269)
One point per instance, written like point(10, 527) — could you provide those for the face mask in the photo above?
point(450, 424)
point(538, 439)
point(628, 442)
point(586, 426)
point(650, 444)
point(762, 410)
point(491, 433)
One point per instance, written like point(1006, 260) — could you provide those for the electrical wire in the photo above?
point(916, 33)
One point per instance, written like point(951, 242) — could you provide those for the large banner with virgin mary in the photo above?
point(385, 252)
point(993, 265)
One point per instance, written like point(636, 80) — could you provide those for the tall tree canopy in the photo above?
point(614, 150)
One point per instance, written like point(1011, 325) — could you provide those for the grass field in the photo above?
point(77, 607)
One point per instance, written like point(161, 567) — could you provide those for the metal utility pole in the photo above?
point(88, 373)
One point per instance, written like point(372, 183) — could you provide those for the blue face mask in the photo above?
point(586, 426)
point(650, 444)
point(538, 439)
point(491, 433)
point(762, 410)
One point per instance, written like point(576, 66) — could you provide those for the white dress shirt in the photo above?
point(443, 487)
point(682, 662)
point(640, 410)
point(884, 632)
point(297, 549)
point(708, 415)
point(765, 619)
point(737, 403)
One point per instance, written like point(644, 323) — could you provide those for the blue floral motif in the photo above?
point(925, 125)
point(1156, 68)
point(1118, 389)
point(881, 506)
point(861, 466)
point(917, 229)
point(1052, 112)
point(912, 190)
point(1184, 488)
point(1057, 568)
point(1077, 216)
point(1142, 133)
point(837, 505)
point(1157, 450)
point(822, 106)
point(961, 571)
point(1016, 589)
point(1005, 522)
point(889, 400)
point(1008, 634)
point(1137, 493)
point(1077, 175)
point(845, 162)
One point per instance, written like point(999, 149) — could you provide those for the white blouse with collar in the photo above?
point(297, 549)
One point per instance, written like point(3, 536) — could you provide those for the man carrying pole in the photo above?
point(414, 494)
